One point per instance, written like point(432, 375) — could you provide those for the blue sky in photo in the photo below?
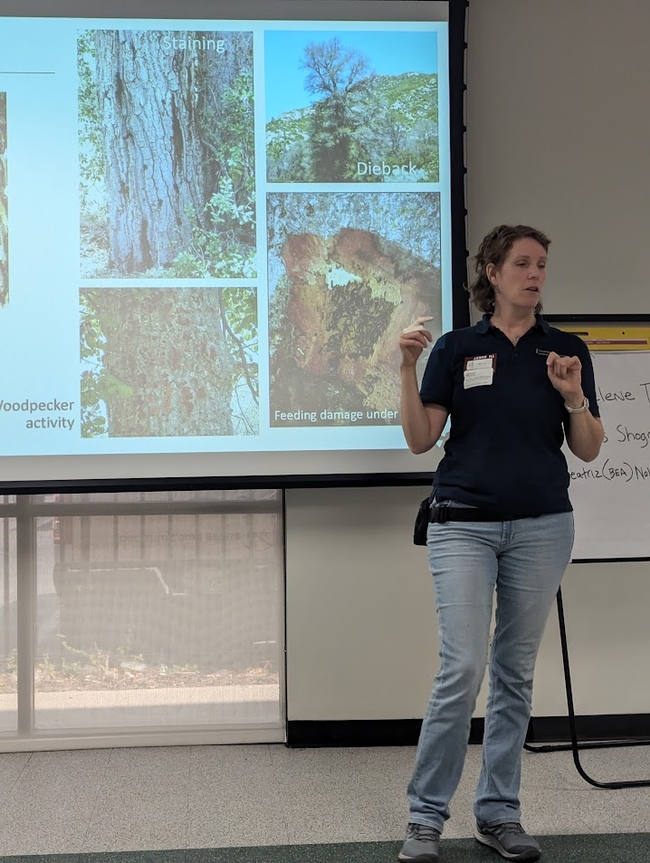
point(389, 52)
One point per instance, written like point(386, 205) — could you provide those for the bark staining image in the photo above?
point(4, 205)
point(167, 362)
point(341, 297)
point(166, 148)
point(352, 107)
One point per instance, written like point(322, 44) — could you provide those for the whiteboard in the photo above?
point(611, 495)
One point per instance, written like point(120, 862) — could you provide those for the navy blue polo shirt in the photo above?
point(504, 453)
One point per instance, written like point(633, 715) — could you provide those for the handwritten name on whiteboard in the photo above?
point(611, 495)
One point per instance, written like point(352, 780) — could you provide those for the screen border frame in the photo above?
point(457, 21)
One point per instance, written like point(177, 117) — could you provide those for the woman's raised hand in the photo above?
point(413, 340)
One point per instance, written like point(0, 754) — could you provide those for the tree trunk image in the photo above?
point(348, 298)
point(347, 272)
point(170, 120)
point(154, 160)
point(167, 370)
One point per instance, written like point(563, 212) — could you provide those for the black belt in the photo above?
point(441, 513)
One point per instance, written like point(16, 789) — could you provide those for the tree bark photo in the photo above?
point(153, 180)
point(167, 141)
point(347, 273)
point(159, 362)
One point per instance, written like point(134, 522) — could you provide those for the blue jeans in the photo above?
point(524, 560)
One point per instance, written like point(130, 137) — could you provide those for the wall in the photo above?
point(557, 137)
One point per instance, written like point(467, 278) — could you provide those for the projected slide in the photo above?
point(213, 232)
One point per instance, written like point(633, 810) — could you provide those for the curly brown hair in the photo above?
point(494, 250)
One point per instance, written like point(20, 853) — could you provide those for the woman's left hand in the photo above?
point(565, 373)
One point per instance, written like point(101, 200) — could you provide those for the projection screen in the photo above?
point(213, 230)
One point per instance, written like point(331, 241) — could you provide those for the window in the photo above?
point(152, 613)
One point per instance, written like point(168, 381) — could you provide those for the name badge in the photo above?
point(479, 371)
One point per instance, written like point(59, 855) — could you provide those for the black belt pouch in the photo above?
point(422, 523)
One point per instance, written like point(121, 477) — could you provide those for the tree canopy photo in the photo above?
point(360, 127)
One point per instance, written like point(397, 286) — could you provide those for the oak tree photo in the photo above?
point(347, 273)
point(361, 125)
point(166, 154)
point(168, 362)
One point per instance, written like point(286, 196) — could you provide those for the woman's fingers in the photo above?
point(420, 336)
point(414, 339)
point(562, 367)
point(416, 334)
point(418, 326)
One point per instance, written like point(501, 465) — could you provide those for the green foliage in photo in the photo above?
point(361, 118)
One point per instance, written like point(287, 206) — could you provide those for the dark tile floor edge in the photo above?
point(582, 848)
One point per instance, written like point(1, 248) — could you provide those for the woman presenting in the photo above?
point(501, 524)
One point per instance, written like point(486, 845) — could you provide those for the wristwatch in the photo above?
point(583, 407)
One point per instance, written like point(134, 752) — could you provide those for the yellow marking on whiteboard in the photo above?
point(634, 338)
